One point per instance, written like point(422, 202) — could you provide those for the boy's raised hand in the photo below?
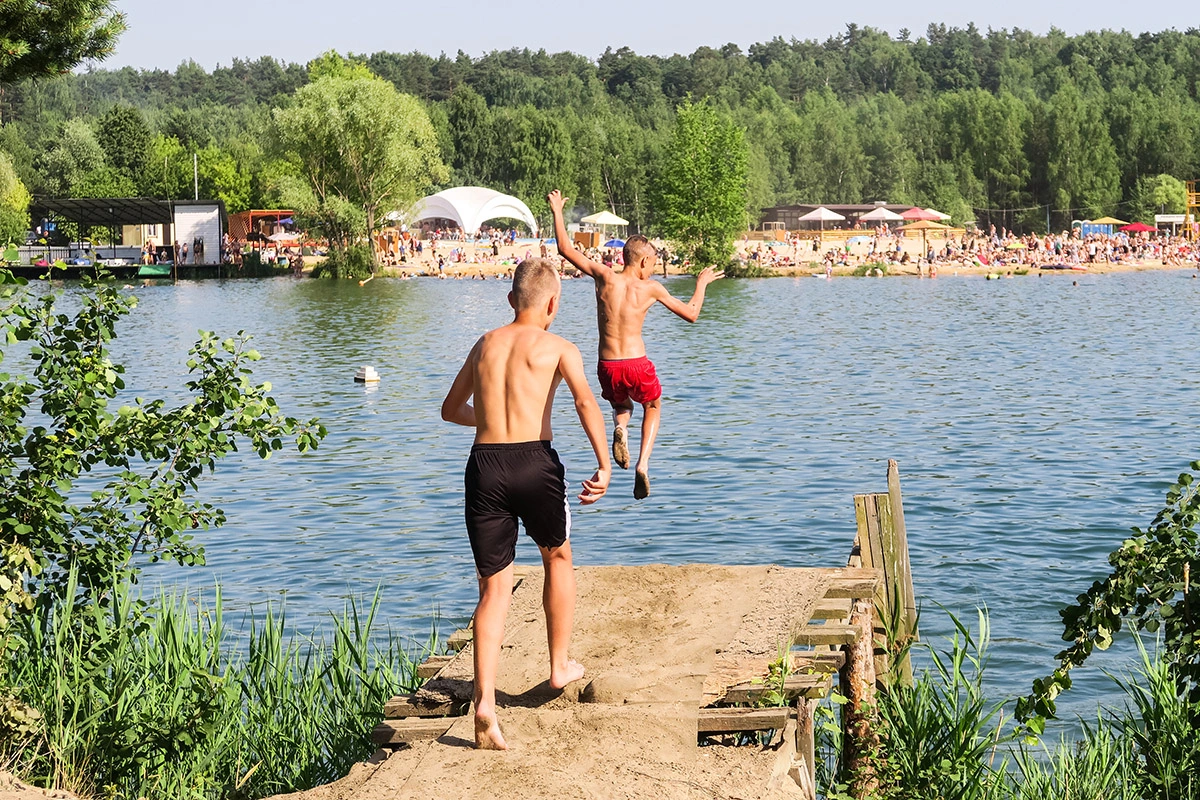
point(708, 275)
point(556, 201)
point(595, 488)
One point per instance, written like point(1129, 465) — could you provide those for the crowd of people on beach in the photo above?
point(993, 248)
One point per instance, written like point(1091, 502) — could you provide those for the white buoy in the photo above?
point(366, 374)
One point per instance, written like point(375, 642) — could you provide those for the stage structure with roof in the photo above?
point(470, 206)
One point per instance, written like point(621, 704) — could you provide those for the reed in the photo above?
point(164, 700)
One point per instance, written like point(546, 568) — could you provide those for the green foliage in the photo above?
point(1158, 194)
point(158, 698)
point(75, 155)
point(125, 138)
point(938, 734)
point(1146, 590)
point(14, 204)
point(361, 143)
point(44, 39)
point(701, 189)
point(354, 262)
point(140, 464)
point(1101, 766)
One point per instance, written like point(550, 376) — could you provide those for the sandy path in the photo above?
point(649, 637)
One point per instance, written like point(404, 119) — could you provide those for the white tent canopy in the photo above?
point(471, 206)
point(604, 218)
point(881, 214)
point(940, 215)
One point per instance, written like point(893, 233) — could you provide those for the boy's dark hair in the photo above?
point(534, 279)
point(637, 247)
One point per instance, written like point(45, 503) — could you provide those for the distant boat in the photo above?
point(154, 271)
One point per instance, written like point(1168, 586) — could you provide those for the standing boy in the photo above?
point(512, 373)
point(622, 300)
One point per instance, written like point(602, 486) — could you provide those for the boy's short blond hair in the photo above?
point(637, 247)
point(534, 280)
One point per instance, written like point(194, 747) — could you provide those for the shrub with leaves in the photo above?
point(1148, 589)
point(97, 490)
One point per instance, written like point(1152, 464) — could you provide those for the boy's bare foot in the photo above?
point(573, 672)
point(620, 447)
point(487, 732)
point(641, 486)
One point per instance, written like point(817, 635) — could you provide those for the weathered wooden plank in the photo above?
point(403, 731)
point(853, 583)
point(460, 639)
point(832, 608)
point(818, 660)
point(432, 666)
point(825, 634)
point(902, 580)
point(804, 772)
point(810, 685)
point(407, 705)
point(731, 720)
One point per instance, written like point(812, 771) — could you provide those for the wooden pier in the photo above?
point(676, 656)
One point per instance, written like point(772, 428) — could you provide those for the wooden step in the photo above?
point(432, 666)
point(392, 732)
point(732, 720)
point(829, 634)
point(811, 686)
point(407, 705)
point(818, 660)
point(832, 608)
point(460, 639)
point(854, 583)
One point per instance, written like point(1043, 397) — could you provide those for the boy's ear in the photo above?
point(552, 305)
point(511, 303)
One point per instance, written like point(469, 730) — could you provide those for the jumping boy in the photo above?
point(622, 300)
point(512, 373)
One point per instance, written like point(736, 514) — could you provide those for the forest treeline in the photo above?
point(1003, 126)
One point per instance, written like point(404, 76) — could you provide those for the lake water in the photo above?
point(1034, 421)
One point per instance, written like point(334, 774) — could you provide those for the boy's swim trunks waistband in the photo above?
point(628, 378)
point(505, 482)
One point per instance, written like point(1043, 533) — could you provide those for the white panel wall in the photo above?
point(199, 221)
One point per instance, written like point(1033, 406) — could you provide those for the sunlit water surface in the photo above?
point(1034, 421)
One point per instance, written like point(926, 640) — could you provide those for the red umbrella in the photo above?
point(1138, 227)
point(917, 213)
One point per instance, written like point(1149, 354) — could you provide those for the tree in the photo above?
point(1158, 194)
point(701, 189)
point(76, 154)
point(42, 39)
point(14, 203)
point(125, 138)
point(359, 140)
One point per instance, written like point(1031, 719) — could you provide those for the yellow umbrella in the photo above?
point(1109, 221)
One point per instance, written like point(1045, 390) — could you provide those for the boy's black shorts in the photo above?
point(505, 482)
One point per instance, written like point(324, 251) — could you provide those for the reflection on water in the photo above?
point(1034, 422)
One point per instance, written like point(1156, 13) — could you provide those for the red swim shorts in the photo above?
point(628, 378)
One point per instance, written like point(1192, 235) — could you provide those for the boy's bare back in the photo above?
point(515, 371)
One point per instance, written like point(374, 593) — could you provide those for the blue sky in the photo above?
point(216, 31)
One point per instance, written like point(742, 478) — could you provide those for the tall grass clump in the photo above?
point(162, 699)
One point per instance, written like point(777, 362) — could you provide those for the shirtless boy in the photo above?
point(622, 300)
point(512, 373)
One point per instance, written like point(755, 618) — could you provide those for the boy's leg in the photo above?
point(558, 600)
point(621, 416)
point(651, 412)
point(495, 595)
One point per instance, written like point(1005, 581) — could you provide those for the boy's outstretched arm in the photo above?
point(565, 247)
point(570, 366)
point(691, 309)
point(457, 406)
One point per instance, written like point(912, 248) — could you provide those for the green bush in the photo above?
point(354, 262)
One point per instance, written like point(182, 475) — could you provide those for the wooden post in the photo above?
point(805, 770)
point(860, 738)
point(904, 580)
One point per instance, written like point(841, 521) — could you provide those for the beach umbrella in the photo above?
point(920, 214)
point(1015, 245)
point(1138, 227)
point(284, 236)
point(821, 214)
point(939, 215)
point(614, 243)
point(604, 218)
point(1108, 221)
point(858, 239)
point(924, 225)
point(881, 214)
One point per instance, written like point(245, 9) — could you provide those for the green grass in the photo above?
point(163, 700)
